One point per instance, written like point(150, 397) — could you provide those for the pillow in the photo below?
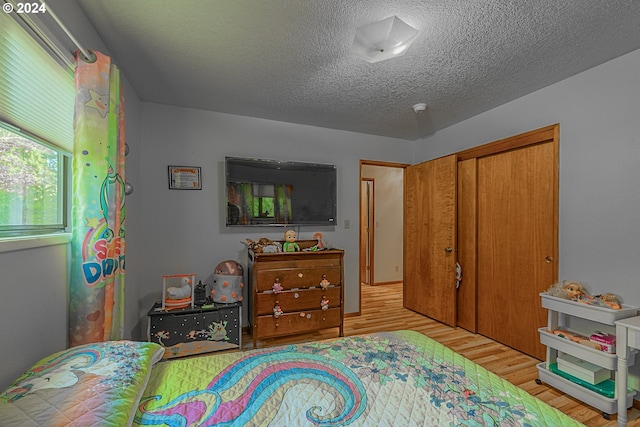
point(96, 384)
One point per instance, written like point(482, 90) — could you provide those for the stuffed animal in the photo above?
point(263, 245)
point(290, 244)
point(181, 292)
point(321, 245)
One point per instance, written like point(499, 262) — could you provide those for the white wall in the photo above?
point(184, 231)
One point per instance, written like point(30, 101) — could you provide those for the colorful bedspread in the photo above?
point(387, 379)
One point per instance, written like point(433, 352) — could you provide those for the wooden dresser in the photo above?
point(302, 297)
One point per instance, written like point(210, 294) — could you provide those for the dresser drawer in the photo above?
point(303, 299)
point(293, 323)
point(291, 278)
point(298, 259)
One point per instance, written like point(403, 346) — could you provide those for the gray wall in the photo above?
point(599, 115)
point(184, 230)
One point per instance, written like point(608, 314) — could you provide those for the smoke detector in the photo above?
point(421, 106)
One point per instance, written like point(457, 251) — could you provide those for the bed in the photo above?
point(400, 378)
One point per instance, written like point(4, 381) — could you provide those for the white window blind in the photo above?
point(36, 92)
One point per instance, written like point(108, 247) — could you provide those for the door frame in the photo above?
point(368, 163)
point(367, 231)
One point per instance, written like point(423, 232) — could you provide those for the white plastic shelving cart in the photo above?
point(567, 315)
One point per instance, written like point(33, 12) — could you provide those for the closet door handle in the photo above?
point(448, 249)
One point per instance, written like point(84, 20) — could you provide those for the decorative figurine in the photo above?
point(277, 287)
point(183, 291)
point(320, 239)
point(290, 244)
point(324, 283)
point(277, 311)
point(200, 294)
point(324, 303)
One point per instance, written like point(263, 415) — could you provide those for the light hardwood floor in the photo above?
point(382, 311)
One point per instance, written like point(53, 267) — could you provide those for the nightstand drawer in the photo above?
point(298, 278)
point(303, 299)
point(293, 323)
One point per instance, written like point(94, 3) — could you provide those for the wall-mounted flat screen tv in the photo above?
point(275, 193)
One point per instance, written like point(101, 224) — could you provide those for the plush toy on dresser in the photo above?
point(183, 291)
point(264, 245)
point(290, 244)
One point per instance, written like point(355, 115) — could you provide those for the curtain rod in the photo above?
point(88, 56)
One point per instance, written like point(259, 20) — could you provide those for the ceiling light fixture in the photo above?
point(383, 40)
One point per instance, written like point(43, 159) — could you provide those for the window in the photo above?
point(36, 133)
point(263, 200)
point(32, 193)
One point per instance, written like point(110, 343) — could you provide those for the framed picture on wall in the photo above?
point(185, 178)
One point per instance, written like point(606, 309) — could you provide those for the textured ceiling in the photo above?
point(289, 60)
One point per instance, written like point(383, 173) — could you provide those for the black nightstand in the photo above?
point(188, 331)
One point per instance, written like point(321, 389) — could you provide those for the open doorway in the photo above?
point(381, 223)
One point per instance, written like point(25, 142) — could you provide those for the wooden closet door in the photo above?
point(429, 239)
point(516, 243)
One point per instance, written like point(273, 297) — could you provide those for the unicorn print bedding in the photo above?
point(396, 379)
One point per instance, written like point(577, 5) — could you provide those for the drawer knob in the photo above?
point(277, 311)
point(324, 303)
point(324, 283)
point(296, 295)
point(277, 286)
point(301, 275)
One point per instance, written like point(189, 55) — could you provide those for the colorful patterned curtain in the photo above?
point(239, 203)
point(284, 192)
point(96, 305)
